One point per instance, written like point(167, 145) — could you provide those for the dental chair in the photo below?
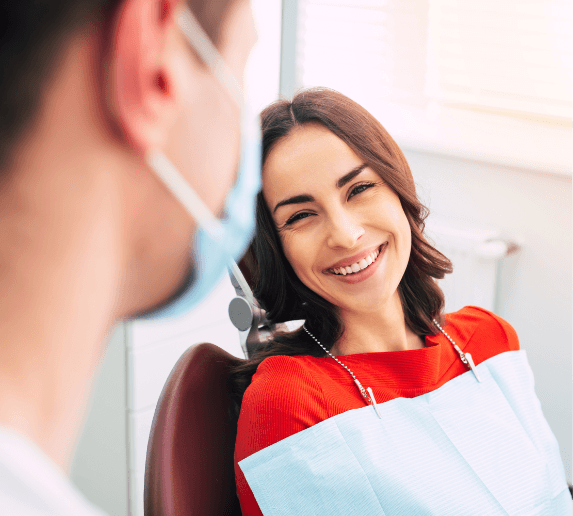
point(189, 468)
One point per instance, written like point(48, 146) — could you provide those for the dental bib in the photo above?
point(466, 448)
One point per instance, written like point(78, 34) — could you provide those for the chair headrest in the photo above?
point(190, 467)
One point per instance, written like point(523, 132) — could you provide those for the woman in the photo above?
point(379, 404)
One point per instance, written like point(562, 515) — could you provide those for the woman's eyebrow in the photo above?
point(297, 199)
point(350, 176)
point(300, 199)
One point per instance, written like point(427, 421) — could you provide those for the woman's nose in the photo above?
point(343, 231)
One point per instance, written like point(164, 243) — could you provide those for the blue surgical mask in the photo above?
point(217, 243)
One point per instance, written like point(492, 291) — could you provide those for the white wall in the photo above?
point(535, 286)
point(263, 68)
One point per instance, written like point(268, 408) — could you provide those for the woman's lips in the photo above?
point(363, 274)
point(354, 259)
point(358, 265)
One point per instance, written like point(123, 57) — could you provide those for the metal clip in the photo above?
point(472, 366)
point(373, 401)
point(467, 359)
point(362, 391)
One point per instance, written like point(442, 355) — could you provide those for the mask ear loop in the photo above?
point(210, 55)
point(203, 45)
point(184, 193)
point(160, 163)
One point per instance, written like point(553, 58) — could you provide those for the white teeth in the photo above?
point(356, 267)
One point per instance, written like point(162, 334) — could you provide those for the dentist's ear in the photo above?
point(142, 88)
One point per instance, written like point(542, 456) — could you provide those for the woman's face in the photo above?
point(343, 230)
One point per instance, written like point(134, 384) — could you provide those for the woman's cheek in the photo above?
point(290, 248)
point(297, 251)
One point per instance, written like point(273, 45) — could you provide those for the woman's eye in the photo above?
point(360, 188)
point(296, 217)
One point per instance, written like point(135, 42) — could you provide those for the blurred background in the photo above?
point(478, 94)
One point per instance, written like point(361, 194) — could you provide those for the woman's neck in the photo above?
point(372, 332)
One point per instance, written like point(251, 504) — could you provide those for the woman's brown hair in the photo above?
point(277, 287)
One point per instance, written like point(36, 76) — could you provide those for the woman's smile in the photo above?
point(358, 268)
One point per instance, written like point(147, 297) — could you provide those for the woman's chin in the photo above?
point(371, 302)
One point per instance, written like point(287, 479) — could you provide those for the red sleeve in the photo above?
point(510, 334)
point(486, 333)
point(283, 399)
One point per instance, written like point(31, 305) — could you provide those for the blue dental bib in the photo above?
point(467, 448)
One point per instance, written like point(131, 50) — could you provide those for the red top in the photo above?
point(289, 394)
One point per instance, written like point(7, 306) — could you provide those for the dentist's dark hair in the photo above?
point(276, 286)
point(33, 39)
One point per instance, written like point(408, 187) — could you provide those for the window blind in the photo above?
point(502, 54)
point(508, 56)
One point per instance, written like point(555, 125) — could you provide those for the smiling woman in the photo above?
point(340, 243)
point(347, 214)
point(323, 142)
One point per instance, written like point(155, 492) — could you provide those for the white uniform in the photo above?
point(31, 484)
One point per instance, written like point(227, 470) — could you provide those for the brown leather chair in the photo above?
point(189, 467)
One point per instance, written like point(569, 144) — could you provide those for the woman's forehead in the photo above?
point(310, 156)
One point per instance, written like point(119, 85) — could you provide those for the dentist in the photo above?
point(122, 129)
